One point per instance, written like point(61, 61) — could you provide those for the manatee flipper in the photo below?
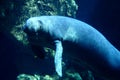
point(58, 57)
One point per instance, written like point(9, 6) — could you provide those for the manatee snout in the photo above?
point(25, 28)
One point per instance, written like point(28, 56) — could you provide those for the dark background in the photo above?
point(104, 15)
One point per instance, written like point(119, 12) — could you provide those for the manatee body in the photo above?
point(79, 40)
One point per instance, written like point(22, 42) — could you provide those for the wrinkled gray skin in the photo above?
point(79, 40)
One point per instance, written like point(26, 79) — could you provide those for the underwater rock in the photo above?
point(28, 77)
point(72, 75)
point(69, 75)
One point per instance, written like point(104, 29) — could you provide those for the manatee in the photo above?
point(72, 37)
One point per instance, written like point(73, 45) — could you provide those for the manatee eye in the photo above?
point(41, 24)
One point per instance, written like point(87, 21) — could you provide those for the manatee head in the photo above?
point(35, 28)
point(32, 25)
